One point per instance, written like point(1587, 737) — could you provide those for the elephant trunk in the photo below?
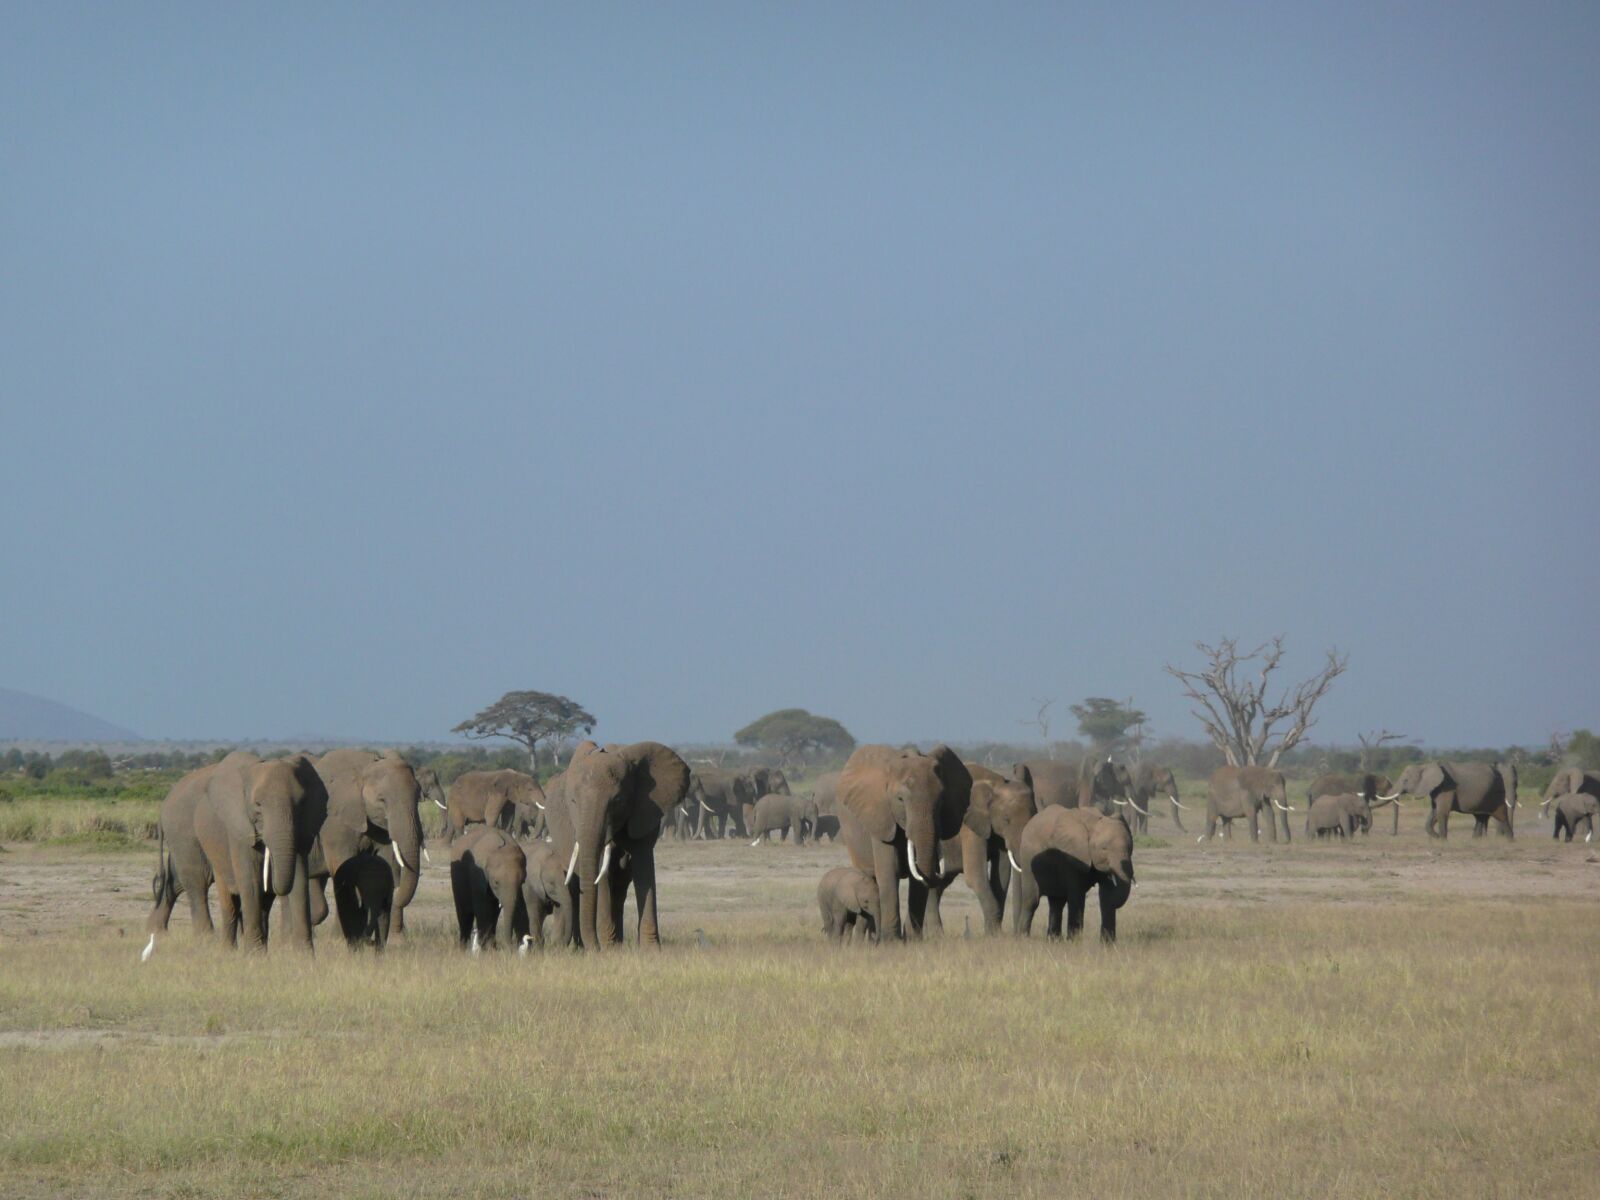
point(594, 859)
point(405, 835)
point(277, 835)
point(922, 846)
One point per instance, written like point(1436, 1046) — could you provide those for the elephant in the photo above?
point(1481, 789)
point(1339, 814)
point(1066, 851)
point(278, 805)
point(846, 896)
point(1377, 789)
point(717, 792)
point(1243, 792)
point(1569, 779)
point(507, 799)
point(825, 791)
point(1148, 783)
point(1575, 808)
point(997, 812)
point(779, 814)
point(546, 893)
point(372, 805)
point(363, 893)
point(1094, 782)
point(616, 798)
point(181, 865)
point(487, 871)
point(895, 808)
point(755, 782)
point(827, 827)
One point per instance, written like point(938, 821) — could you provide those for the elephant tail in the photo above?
point(161, 882)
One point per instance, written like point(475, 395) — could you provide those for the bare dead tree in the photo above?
point(1371, 742)
point(1231, 694)
point(1041, 720)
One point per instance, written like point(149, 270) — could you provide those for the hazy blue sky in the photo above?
point(900, 362)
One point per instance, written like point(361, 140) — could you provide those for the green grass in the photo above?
point(103, 824)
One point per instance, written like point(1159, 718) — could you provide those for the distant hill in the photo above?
point(25, 718)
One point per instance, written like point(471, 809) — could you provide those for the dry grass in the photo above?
point(1391, 1017)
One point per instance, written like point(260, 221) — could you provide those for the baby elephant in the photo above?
point(1574, 809)
point(546, 894)
point(487, 871)
point(1338, 815)
point(778, 814)
point(363, 893)
point(845, 896)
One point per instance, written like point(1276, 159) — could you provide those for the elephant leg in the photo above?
point(1075, 906)
point(1255, 826)
point(227, 917)
point(1052, 927)
point(1025, 903)
point(916, 907)
point(980, 878)
point(935, 922)
point(319, 900)
point(247, 875)
point(352, 914)
point(1211, 824)
point(1108, 914)
point(885, 870)
point(644, 897)
point(1442, 822)
point(200, 908)
point(461, 893)
point(619, 899)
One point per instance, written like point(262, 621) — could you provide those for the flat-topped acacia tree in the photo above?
point(794, 734)
point(530, 718)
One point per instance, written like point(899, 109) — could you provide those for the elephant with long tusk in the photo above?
point(997, 811)
point(898, 809)
point(1245, 792)
point(1149, 782)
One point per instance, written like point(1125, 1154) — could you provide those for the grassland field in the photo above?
point(1394, 1016)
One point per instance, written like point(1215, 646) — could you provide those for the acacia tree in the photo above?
point(1108, 724)
point(1231, 692)
point(530, 718)
point(793, 733)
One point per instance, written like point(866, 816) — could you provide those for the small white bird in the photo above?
point(150, 948)
point(527, 940)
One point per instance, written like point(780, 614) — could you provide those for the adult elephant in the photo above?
point(779, 814)
point(825, 791)
point(372, 806)
point(1064, 853)
point(1570, 780)
point(1572, 810)
point(755, 782)
point(504, 799)
point(997, 812)
point(716, 792)
point(895, 807)
point(1092, 783)
point(257, 823)
point(181, 866)
point(1148, 783)
point(1484, 790)
point(1244, 792)
point(617, 798)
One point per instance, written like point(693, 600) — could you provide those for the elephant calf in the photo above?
point(845, 896)
point(778, 814)
point(1338, 815)
point(1574, 809)
point(363, 893)
point(546, 893)
point(487, 872)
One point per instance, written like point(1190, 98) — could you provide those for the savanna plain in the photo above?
point(1388, 1016)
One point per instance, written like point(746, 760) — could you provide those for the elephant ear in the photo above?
point(582, 751)
point(660, 775)
point(977, 818)
point(1020, 773)
point(956, 789)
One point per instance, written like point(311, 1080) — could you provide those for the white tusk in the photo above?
point(441, 807)
point(1119, 803)
point(605, 863)
point(1014, 864)
point(1201, 838)
point(401, 858)
point(911, 855)
point(426, 857)
point(474, 948)
point(1391, 796)
point(707, 807)
point(266, 870)
point(572, 863)
point(1275, 802)
point(941, 864)
point(1178, 802)
point(150, 948)
point(539, 806)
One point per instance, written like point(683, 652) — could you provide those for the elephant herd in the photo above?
point(263, 831)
